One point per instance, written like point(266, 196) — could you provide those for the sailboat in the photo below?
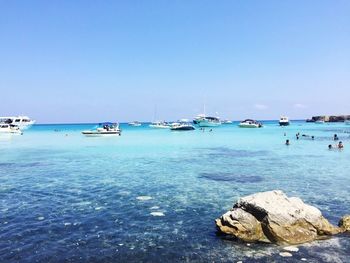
point(158, 124)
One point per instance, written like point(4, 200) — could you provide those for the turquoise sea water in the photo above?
point(152, 195)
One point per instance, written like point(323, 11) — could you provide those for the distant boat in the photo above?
point(23, 122)
point(9, 128)
point(320, 122)
point(104, 129)
point(226, 122)
point(160, 125)
point(347, 122)
point(284, 121)
point(248, 123)
point(135, 124)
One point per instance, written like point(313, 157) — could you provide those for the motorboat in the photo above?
point(207, 121)
point(198, 118)
point(135, 123)
point(104, 129)
point(226, 122)
point(10, 128)
point(284, 121)
point(160, 125)
point(248, 123)
point(182, 125)
point(23, 122)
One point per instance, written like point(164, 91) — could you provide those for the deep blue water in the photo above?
point(68, 198)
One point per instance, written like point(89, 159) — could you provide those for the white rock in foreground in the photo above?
point(274, 218)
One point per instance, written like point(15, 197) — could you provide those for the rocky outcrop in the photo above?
point(344, 223)
point(339, 118)
point(272, 217)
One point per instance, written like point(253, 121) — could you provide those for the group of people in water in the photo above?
point(330, 146)
point(203, 130)
point(338, 146)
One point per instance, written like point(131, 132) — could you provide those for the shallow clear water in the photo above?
point(152, 195)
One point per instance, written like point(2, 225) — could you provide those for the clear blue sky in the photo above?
point(86, 61)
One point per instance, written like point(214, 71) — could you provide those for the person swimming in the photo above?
point(340, 145)
point(335, 137)
point(287, 142)
point(330, 147)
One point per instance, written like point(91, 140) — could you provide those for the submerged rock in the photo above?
point(344, 223)
point(285, 254)
point(144, 198)
point(157, 214)
point(274, 218)
point(291, 249)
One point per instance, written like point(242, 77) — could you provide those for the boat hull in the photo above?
point(248, 126)
point(101, 134)
point(284, 123)
point(206, 123)
point(159, 126)
point(187, 128)
point(10, 132)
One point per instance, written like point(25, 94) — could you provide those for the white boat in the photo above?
point(135, 123)
point(248, 123)
point(160, 125)
point(23, 122)
point(9, 128)
point(198, 118)
point(320, 122)
point(104, 129)
point(182, 125)
point(207, 121)
point(284, 121)
point(226, 122)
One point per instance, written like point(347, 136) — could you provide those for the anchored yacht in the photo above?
point(23, 122)
point(206, 121)
point(284, 121)
point(9, 128)
point(182, 125)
